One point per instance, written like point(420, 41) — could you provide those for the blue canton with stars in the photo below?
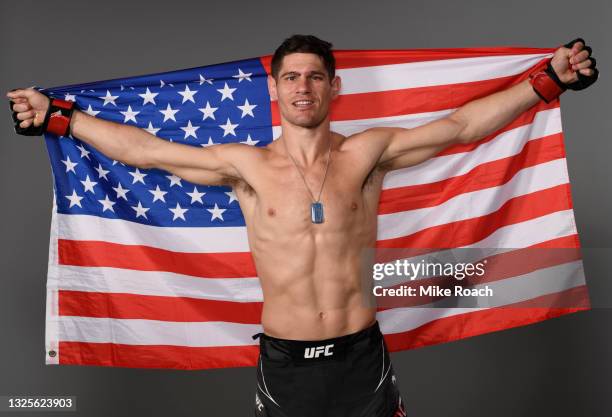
point(200, 107)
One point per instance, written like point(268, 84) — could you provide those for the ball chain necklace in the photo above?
point(316, 207)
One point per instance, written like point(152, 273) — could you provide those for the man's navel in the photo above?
point(271, 212)
point(354, 206)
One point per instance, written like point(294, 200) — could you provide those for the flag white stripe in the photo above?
point(434, 73)
point(118, 280)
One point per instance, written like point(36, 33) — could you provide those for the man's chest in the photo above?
point(281, 195)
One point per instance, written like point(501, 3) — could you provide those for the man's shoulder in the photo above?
point(368, 138)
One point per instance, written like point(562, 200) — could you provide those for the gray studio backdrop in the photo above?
point(560, 367)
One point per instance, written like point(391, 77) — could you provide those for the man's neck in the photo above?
point(306, 145)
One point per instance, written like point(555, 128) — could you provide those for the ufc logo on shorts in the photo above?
point(315, 352)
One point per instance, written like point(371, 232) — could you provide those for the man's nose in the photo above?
point(303, 85)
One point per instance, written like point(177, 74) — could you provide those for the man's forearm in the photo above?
point(120, 142)
point(487, 114)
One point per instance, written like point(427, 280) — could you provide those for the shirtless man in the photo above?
point(322, 352)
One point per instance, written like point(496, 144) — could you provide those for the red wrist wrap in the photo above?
point(59, 119)
point(544, 86)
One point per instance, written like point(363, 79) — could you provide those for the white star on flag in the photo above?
point(138, 176)
point(189, 130)
point(169, 113)
point(217, 213)
point(148, 97)
point(232, 196)
point(101, 172)
point(90, 111)
point(108, 98)
point(242, 76)
point(152, 130)
point(249, 141)
point(121, 192)
point(158, 194)
point(174, 180)
point(129, 115)
point(209, 143)
point(196, 196)
point(107, 204)
point(204, 80)
point(89, 185)
point(179, 212)
point(84, 152)
point(208, 111)
point(228, 128)
point(226, 92)
point(188, 94)
point(140, 210)
point(75, 199)
point(69, 164)
point(247, 108)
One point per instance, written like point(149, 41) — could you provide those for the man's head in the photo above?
point(304, 80)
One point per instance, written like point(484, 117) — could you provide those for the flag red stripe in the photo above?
point(188, 309)
point(490, 320)
point(154, 307)
point(156, 356)
point(469, 231)
point(485, 175)
point(146, 258)
point(356, 58)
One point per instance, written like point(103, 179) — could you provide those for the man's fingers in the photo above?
point(582, 65)
point(581, 56)
point(587, 71)
point(22, 107)
point(26, 115)
point(21, 92)
point(26, 123)
point(577, 47)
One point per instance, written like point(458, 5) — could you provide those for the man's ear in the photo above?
point(336, 86)
point(272, 88)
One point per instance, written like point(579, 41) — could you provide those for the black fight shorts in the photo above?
point(346, 376)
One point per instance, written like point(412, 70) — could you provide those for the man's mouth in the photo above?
point(303, 103)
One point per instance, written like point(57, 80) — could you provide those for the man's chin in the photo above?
point(307, 122)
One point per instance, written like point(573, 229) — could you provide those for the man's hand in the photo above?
point(30, 105)
point(567, 62)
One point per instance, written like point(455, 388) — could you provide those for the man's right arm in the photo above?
point(215, 165)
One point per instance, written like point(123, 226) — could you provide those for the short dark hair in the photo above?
point(308, 44)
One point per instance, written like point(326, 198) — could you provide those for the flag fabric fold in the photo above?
point(148, 270)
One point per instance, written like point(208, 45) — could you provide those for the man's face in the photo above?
point(303, 89)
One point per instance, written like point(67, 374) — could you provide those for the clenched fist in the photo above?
point(30, 105)
point(574, 65)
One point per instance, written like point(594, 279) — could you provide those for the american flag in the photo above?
point(148, 270)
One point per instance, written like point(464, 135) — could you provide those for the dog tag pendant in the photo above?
point(316, 212)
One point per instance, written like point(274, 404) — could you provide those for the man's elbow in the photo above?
point(464, 132)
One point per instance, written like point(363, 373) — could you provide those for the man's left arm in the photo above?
point(478, 118)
